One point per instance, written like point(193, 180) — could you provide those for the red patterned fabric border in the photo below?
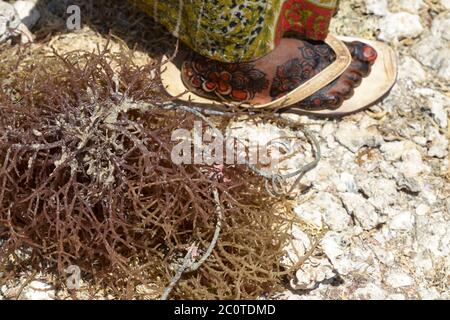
point(306, 17)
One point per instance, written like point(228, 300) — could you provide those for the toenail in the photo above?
point(370, 54)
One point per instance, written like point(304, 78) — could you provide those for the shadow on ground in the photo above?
point(107, 17)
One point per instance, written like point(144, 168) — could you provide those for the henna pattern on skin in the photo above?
point(333, 95)
point(229, 81)
point(288, 77)
point(325, 98)
point(241, 82)
point(295, 72)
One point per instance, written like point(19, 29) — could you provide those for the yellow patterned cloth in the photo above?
point(240, 30)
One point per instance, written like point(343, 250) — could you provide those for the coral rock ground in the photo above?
point(381, 193)
point(383, 186)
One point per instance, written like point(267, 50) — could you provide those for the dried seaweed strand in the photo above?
point(188, 262)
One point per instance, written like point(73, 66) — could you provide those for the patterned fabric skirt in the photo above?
point(240, 30)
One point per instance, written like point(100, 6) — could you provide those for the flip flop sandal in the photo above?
point(373, 88)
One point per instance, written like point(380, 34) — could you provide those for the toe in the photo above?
point(363, 52)
point(360, 67)
point(354, 77)
point(333, 100)
point(369, 54)
point(348, 92)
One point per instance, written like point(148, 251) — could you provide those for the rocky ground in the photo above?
point(383, 185)
point(381, 192)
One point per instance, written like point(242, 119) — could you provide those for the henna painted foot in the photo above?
point(271, 77)
point(333, 95)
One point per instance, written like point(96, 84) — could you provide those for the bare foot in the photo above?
point(291, 64)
